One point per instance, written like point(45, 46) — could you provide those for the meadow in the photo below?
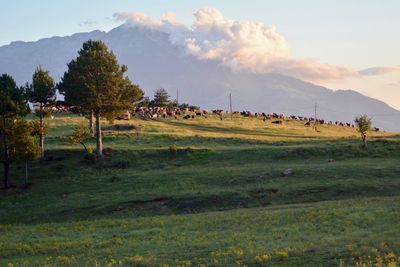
point(206, 192)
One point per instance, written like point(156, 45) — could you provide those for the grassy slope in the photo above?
point(79, 212)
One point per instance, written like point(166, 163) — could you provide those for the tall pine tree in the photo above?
point(42, 92)
point(96, 82)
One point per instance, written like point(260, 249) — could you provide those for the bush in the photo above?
point(90, 155)
point(173, 150)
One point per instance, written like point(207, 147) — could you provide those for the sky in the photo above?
point(340, 44)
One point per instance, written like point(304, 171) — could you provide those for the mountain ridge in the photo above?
point(153, 62)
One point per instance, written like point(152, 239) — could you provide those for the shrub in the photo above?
point(90, 155)
point(173, 150)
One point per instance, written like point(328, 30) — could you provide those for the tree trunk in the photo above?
point(26, 172)
point(6, 165)
point(365, 141)
point(6, 162)
point(41, 137)
point(84, 146)
point(91, 126)
point(99, 142)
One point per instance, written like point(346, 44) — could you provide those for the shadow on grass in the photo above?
point(190, 204)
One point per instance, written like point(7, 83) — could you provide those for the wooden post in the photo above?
point(315, 117)
point(230, 105)
point(177, 97)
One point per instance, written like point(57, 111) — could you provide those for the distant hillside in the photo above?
point(154, 62)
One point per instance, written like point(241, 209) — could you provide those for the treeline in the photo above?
point(94, 83)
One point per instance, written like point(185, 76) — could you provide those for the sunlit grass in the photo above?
point(207, 192)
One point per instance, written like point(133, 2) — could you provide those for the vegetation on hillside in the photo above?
point(176, 186)
point(147, 205)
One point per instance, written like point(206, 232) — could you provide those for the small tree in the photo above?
point(80, 134)
point(161, 98)
point(16, 141)
point(363, 124)
point(42, 91)
point(96, 82)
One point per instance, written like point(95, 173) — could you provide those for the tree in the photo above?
point(16, 141)
point(96, 82)
point(363, 124)
point(42, 91)
point(161, 98)
point(79, 136)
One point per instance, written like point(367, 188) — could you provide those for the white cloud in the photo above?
point(88, 22)
point(377, 71)
point(242, 45)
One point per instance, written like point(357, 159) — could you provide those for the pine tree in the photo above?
point(16, 141)
point(161, 98)
point(96, 82)
point(42, 91)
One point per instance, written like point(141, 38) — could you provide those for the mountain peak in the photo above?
point(155, 62)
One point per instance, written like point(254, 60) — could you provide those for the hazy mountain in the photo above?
point(154, 62)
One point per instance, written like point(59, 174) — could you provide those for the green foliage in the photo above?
point(16, 141)
point(161, 98)
point(42, 90)
point(90, 155)
point(13, 100)
point(20, 140)
point(95, 81)
point(37, 130)
point(80, 134)
point(363, 124)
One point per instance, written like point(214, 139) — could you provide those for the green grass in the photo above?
point(218, 198)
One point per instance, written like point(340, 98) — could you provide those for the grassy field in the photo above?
point(207, 192)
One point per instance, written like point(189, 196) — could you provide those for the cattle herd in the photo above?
point(149, 113)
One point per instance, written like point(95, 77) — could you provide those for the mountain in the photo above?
point(154, 62)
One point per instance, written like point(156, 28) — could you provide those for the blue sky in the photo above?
point(355, 34)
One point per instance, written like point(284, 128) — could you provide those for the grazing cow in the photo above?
point(376, 129)
point(186, 117)
point(307, 123)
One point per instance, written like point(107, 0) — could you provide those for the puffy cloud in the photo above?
point(241, 45)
